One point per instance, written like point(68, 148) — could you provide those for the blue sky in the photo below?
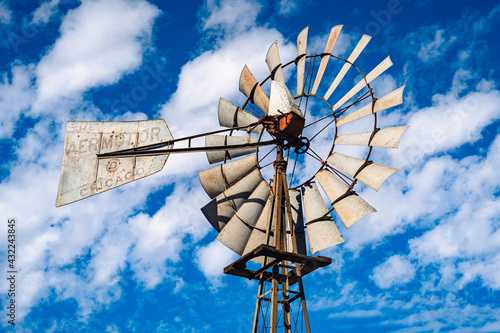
point(142, 258)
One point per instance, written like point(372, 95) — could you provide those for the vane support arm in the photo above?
point(153, 151)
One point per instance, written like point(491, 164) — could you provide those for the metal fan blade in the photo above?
point(371, 174)
point(352, 58)
point(382, 67)
point(393, 98)
point(322, 231)
point(298, 223)
point(330, 44)
point(258, 235)
point(386, 138)
point(216, 156)
point(216, 179)
point(301, 63)
point(220, 210)
point(350, 208)
point(273, 61)
point(282, 101)
point(231, 116)
point(237, 231)
point(84, 175)
point(252, 89)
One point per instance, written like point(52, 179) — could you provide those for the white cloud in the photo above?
point(431, 49)
point(100, 42)
point(16, 96)
point(396, 270)
point(212, 259)
point(230, 16)
point(5, 14)
point(43, 13)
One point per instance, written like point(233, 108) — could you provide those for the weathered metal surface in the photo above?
point(225, 140)
point(273, 61)
point(83, 174)
point(350, 208)
point(382, 67)
point(215, 180)
point(248, 83)
point(258, 235)
point(298, 223)
point(388, 137)
point(237, 231)
point(387, 101)
point(352, 58)
point(229, 201)
point(330, 44)
point(282, 101)
point(231, 116)
point(373, 175)
point(301, 63)
point(322, 233)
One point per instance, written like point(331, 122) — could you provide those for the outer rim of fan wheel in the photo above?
point(368, 87)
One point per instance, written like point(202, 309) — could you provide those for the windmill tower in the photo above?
point(264, 222)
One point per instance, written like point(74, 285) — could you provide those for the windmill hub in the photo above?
point(284, 126)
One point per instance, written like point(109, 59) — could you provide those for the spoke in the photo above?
point(321, 130)
point(293, 170)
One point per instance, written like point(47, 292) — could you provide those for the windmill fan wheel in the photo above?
point(309, 133)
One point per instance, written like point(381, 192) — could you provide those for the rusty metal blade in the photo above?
point(322, 233)
point(301, 63)
point(388, 137)
point(251, 89)
point(298, 223)
point(373, 175)
point(231, 116)
point(258, 235)
point(226, 140)
point(350, 208)
point(237, 231)
point(83, 174)
point(330, 44)
point(382, 67)
point(282, 101)
point(354, 55)
point(220, 210)
point(273, 61)
point(216, 179)
point(393, 98)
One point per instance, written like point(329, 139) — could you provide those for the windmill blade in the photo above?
point(350, 208)
point(220, 210)
point(388, 137)
point(393, 98)
point(258, 235)
point(273, 61)
point(370, 174)
point(231, 116)
point(322, 231)
point(84, 175)
point(298, 223)
point(330, 44)
point(301, 62)
point(215, 180)
point(352, 58)
point(382, 67)
point(237, 231)
point(216, 156)
point(282, 101)
point(252, 89)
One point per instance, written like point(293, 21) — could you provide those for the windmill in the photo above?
point(265, 222)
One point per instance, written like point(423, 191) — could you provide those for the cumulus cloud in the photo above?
point(5, 14)
point(100, 42)
point(230, 16)
point(43, 13)
point(396, 270)
point(212, 259)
